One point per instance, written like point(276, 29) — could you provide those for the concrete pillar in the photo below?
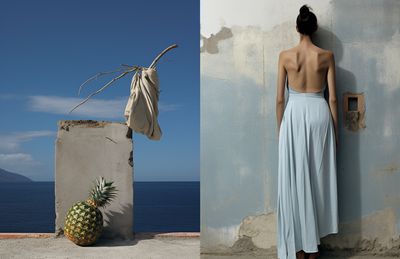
point(86, 150)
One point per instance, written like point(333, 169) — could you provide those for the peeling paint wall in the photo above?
point(239, 51)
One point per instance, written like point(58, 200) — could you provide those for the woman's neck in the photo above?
point(305, 40)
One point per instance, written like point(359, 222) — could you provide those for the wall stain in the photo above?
point(375, 233)
point(256, 236)
point(378, 235)
point(389, 169)
point(210, 44)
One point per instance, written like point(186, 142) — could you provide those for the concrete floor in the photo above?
point(143, 246)
point(274, 257)
point(324, 255)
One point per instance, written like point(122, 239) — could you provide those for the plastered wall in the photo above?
point(86, 150)
point(240, 44)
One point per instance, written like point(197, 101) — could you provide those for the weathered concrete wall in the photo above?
point(86, 150)
point(240, 44)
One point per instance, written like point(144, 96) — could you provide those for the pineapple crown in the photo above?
point(103, 192)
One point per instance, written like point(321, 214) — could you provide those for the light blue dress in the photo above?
point(307, 192)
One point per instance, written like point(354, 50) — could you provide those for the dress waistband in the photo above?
point(293, 92)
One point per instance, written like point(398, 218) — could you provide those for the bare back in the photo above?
point(306, 67)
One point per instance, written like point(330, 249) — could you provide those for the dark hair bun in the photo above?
point(304, 11)
point(306, 21)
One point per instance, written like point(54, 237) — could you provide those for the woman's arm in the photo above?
point(331, 75)
point(280, 93)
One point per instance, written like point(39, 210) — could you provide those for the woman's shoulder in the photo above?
point(292, 52)
point(322, 51)
point(286, 53)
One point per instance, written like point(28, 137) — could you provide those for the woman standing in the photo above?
point(308, 140)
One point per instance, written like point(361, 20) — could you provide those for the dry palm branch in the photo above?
point(125, 69)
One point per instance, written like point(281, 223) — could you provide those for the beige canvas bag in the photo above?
point(141, 111)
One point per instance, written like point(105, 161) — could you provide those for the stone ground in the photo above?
point(274, 257)
point(145, 245)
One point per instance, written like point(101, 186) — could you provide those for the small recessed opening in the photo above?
point(353, 103)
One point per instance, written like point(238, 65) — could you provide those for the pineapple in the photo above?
point(84, 221)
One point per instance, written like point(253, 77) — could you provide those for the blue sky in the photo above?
point(48, 48)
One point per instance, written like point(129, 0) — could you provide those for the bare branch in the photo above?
point(125, 65)
point(97, 76)
point(104, 87)
point(153, 64)
point(127, 69)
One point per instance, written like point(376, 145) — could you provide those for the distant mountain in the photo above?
point(7, 177)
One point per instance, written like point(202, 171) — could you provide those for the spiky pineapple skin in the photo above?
point(83, 223)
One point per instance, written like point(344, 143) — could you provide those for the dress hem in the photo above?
point(323, 235)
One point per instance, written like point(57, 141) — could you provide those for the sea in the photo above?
point(29, 207)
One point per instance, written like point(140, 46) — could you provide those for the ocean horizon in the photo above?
point(159, 206)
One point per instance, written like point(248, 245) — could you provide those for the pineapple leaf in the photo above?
point(103, 192)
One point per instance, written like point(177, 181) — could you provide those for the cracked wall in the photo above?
point(239, 55)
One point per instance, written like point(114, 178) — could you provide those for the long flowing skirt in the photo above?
point(307, 191)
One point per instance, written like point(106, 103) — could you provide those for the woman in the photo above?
point(308, 139)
